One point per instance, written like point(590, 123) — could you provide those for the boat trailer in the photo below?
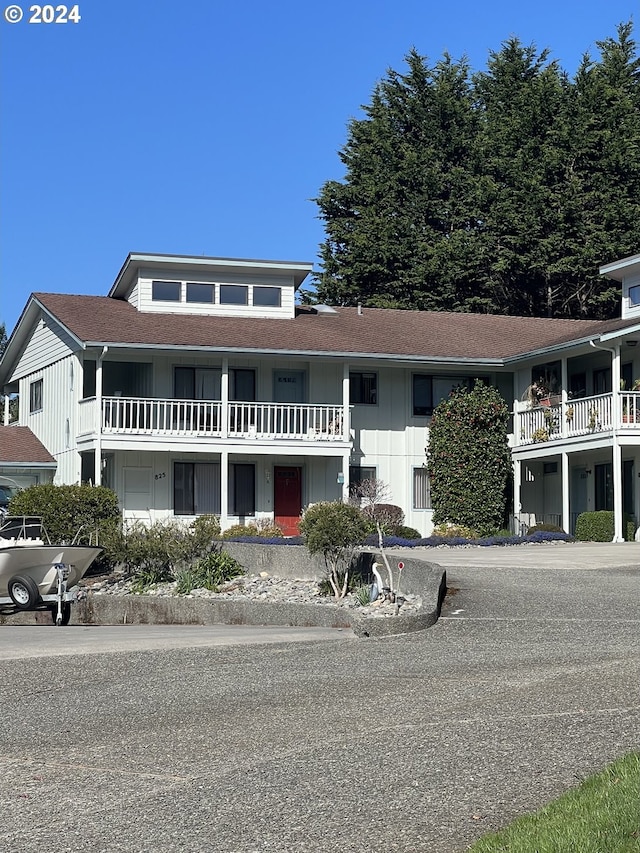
point(24, 595)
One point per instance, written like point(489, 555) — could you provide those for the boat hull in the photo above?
point(39, 561)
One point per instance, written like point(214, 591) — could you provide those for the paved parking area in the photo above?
point(527, 684)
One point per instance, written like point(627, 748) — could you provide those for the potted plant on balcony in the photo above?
point(540, 435)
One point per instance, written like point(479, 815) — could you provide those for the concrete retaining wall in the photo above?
point(418, 577)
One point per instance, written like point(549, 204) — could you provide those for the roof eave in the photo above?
point(618, 270)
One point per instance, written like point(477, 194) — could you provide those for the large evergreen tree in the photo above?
point(502, 191)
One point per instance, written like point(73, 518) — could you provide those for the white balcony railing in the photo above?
point(208, 418)
point(585, 416)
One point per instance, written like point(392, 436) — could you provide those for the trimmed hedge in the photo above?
point(599, 527)
point(595, 526)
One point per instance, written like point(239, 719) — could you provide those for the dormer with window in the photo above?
point(171, 284)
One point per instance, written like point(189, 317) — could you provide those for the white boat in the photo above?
point(36, 575)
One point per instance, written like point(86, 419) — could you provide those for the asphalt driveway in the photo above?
point(527, 684)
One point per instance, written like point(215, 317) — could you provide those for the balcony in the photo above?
point(573, 418)
point(209, 419)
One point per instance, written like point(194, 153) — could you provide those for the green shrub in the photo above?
point(629, 528)
point(88, 515)
point(403, 532)
point(205, 530)
point(469, 460)
point(262, 527)
point(208, 573)
point(153, 554)
point(334, 530)
point(544, 527)
point(448, 529)
point(595, 526)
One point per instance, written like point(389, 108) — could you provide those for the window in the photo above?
point(550, 468)
point(634, 295)
point(603, 486)
point(196, 488)
point(547, 376)
point(602, 381)
point(267, 296)
point(196, 383)
point(35, 396)
point(243, 385)
point(422, 394)
point(577, 385)
point(234, 294)
point(428, 390)
point(421, 489)
point(243, 499)
point(363, 388)
point(88, 379)
point(200, 292)
point(166, 291)
point(358, 473)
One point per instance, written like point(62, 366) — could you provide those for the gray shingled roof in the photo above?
point(100, 319)
point(18, 445)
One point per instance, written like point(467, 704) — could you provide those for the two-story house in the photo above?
point(197, 385)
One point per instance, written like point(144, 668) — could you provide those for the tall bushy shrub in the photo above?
point(69, 512)
point(468, 459)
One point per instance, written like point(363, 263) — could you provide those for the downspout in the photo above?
point(97, 467)
point(615, 447)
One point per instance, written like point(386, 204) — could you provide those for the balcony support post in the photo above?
point(224, 397)
point(564, 464)
point(224, 488)
point(97, 462)
point(345, 405)
point(517, 503)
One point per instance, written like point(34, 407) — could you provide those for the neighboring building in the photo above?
point(24, 461)
point(198, 386)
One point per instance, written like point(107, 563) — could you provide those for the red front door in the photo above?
point(287, 498)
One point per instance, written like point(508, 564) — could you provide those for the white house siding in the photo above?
point(48, 344)
point(141, 295)
point(55, 425)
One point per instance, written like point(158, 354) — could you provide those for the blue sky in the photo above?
point(201, 127)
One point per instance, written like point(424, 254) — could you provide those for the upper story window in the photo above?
point(234, 294)
point(422, 394)
point(166, 291)
point(204, 293)
point(428, 391)
point(88, 379)
point(267, 296)
point(363, 388)
point(634, 295)
point(35, 396)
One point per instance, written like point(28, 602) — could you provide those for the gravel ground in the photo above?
point(414, 743)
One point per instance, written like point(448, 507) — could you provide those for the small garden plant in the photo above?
point(334, 529)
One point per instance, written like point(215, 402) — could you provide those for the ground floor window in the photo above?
point(603, 486)
point(421, 489)
point(196, 488)
point(358, 473)
point(243, 496)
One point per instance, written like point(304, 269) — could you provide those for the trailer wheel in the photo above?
point(23, 591)
point(66, 614)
